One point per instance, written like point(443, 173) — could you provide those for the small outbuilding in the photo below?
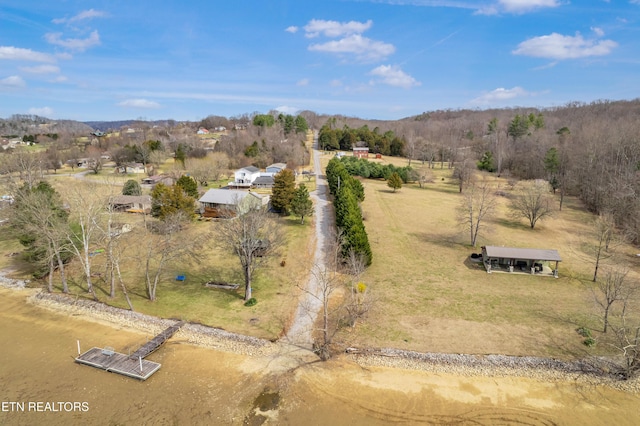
point(521, 260)
point(132, 203)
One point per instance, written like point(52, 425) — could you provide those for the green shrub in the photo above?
point(589, 341)
point(251, 302)
point(584, 332)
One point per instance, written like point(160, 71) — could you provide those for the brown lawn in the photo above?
point(430, 297)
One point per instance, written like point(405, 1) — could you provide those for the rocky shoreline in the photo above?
point(196, 334)
point(591, 371)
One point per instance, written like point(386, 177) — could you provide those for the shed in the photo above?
point(132, 203)
point(524, 260)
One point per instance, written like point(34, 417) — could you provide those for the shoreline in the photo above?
point(592, 371)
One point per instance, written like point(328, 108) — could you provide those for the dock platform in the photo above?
point(115, 362)
point(133, 365)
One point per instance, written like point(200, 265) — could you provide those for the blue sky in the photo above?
point(376, 59)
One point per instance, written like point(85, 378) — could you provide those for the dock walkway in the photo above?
point(153, 344)
point(133, 365)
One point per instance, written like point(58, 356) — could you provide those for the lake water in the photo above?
point(40, 384)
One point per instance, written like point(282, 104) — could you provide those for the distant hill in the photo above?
point(27, 124)
point(104, 126)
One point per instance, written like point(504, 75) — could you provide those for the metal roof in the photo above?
point(522, 253)
point(131, 199)
point(264, 180)
point(227, 197)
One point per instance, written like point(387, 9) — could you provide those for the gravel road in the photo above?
point(301, 329)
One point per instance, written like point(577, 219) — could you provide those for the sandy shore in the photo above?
point(592, 371)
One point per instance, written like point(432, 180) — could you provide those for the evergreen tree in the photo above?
point(284, 187)
point(486, 162)
point(301, 124)
point(131, 187)
point(188, 185)
point(394, 181)
point(301, 205)
point(181, 155)
point(169, 200)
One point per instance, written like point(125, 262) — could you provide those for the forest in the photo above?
point(591, 151)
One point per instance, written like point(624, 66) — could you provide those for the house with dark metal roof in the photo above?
point(219, 202)
point(521, 260)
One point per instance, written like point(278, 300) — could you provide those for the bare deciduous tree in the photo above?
point(112, 236)
point(168, 243)
point(251, 237)
point(532, 202)
point(86, 203)
point(327, 283)
point(478, 203)
point(464, 172)
point(604, 237)
point(38, 218)
point(614, 289)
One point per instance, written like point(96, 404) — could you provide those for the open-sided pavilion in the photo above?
point(521, 260)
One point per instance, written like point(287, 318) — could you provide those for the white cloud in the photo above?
point(516, 6)
point(292, 29)
point(303, 82)
point(139, 103)
point(287, 109)
point(316, 27)
point(521, 6)
point(77, 44)
point(20, 54)
point(12, 82)
point(499, 95)
point(335, 83)
point(59, 79)
point(394, 76)
point(85, 14)
point(558, 46)
point(42, 112)
point(363, 48)
point(41, 69)
point(597, 31)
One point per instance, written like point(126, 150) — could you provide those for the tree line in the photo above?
point(348, 193)
point(345, 139)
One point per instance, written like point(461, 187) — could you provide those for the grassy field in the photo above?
point(430, 297)
point(274, 286)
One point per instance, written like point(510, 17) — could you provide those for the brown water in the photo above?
point(201, 386)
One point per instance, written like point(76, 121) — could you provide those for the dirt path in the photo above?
point(301, 330)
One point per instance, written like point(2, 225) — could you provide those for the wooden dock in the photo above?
point(115, 362)
point(153, 344)
point(133, 365)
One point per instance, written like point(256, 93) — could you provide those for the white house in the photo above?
point(131, 168)
point(245, 176)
